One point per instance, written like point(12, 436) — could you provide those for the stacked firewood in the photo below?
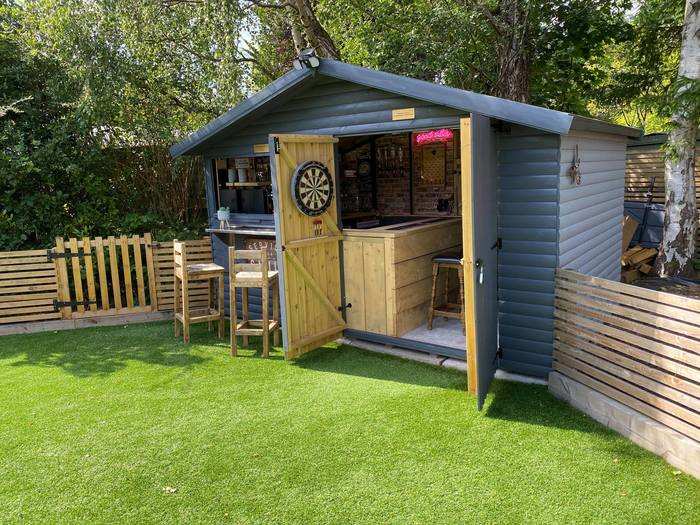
point(637, 261)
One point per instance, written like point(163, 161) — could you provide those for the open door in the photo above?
point(480, 245)
point(308, 240)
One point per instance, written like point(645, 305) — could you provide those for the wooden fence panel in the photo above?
point(646, 165)
point(28, 287)
point(95, 278)
point(111, 292)
point(640, 347)
point(198, 251)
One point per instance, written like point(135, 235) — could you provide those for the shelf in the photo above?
point(247, 184)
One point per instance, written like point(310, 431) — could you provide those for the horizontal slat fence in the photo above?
point(28, 287)
point(637, 346)
point(645, 164)
point(88, 279)
point(198, 251)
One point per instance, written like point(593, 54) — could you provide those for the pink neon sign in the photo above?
point(434, 135)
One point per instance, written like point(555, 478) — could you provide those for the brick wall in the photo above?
point(426, 195)
point(392, 170)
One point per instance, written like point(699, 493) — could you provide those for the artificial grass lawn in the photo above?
point(126, 424)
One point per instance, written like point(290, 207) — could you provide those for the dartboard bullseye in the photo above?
point(312, 188)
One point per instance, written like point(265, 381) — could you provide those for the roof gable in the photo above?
point(284, 87)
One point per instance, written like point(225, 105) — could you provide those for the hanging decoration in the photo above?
point(434, 135)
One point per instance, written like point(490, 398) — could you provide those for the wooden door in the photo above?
point(308, 242)
point(479, 238)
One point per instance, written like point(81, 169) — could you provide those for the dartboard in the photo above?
point(312, 188)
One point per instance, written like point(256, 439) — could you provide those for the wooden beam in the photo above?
point(465, 140)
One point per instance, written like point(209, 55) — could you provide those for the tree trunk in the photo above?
point(680, 220)
point(293, 21)
point(513, 55)
point(316, 35)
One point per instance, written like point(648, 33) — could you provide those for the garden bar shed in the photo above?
point(402, 170)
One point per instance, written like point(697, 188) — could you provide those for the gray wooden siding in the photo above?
point(528, 176)
point(590, 215)
point(335, 107)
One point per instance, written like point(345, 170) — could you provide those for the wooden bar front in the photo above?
point(388, 273)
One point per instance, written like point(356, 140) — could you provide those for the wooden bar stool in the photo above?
point(253, 273)
point(184, 273)
point(449, 261)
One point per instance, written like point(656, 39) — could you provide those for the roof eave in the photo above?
point(600, 126)
point(287, 81)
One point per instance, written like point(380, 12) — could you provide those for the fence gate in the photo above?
point(97, 277)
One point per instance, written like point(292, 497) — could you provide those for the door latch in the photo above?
point(344, 307)
point(479, 264)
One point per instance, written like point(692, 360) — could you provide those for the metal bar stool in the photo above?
point(449, 261)
point(253, 273)
point(183, 274)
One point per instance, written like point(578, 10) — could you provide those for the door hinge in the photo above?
point(498, 244)
point(53, 255)
point(499, 354)
point(57, 305)
point(344, 307)
point(276, 142)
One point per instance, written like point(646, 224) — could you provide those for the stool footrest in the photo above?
point(254, 327)
point(200, 315)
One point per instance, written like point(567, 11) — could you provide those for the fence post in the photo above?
point(62, 277)
point(150, 268)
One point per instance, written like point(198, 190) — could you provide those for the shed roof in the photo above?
point(550, 120)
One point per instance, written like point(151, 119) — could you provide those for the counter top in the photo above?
point(244, 230)
point(404, 228)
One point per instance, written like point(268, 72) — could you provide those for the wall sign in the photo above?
point(312, 188)
point(403, 114)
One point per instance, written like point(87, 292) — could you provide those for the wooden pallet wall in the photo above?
point(198, 251)
point(28, 287)
point(637, 346)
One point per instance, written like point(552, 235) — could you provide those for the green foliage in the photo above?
point(453, 42)
point(94, 92)
point(638, 74)
point(47, 155)
point(82, 84)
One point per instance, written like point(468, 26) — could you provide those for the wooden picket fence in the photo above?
point(92, 279)
point(639, 347)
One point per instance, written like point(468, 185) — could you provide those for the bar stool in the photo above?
point(253, 273)
point(449, 261)
point(183, 274)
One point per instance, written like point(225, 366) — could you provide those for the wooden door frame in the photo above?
point(467, 185)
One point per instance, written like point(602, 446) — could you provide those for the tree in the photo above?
point(680, 220)
point(636, 72)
